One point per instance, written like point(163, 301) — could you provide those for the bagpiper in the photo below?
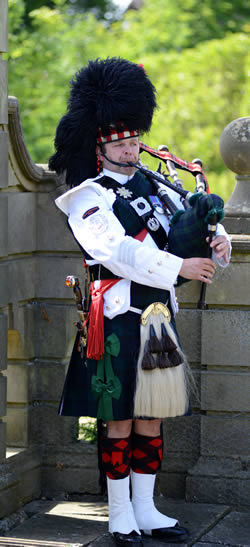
point(136, 373)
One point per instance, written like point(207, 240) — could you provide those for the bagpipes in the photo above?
point(190, 226)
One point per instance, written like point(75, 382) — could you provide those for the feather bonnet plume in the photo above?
point(110, 91)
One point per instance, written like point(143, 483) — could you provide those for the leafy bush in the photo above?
point(197, 55)
point(88, 429)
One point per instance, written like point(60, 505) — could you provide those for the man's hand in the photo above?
point(202, 269)
point(221, 247)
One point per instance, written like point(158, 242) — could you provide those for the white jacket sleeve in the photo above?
point(220, 231)
point(100, 233)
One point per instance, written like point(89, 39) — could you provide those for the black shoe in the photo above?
point(132, 540)
point(175, 534)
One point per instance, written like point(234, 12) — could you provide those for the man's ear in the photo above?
point(99, 152)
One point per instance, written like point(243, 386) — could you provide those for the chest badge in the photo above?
point(141, 206)
point(124, 192)
point(153, 224)
point(156, 204)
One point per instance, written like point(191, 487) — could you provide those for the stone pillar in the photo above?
point(235, 152)
point(221, 473)
point(40, 308)
point(3, 218)
point(41, 253)
point(41, 323)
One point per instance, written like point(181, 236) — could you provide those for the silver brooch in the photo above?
point(124, 192)
point(153, 224)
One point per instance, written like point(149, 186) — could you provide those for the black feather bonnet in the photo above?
point(110, 91)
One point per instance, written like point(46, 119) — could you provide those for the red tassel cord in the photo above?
point(95, 348)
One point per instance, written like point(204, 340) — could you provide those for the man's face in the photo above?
point(121, 151)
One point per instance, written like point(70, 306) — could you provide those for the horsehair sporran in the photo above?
point(162, 393)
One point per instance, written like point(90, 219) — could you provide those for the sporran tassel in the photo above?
point(175, 358)
point(162, 360)
point(154, 345)
point(148, 361)
point(167, 343)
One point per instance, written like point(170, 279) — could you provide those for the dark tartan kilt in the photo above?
point(77, 398)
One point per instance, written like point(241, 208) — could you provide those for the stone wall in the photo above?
point(3, 221)
point(39, 254)
point(222, 473)
point(208, 454)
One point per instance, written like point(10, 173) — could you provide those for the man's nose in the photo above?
point(128, 150)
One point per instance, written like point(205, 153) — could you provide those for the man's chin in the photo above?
point(128, 170)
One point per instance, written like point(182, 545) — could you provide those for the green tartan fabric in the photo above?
point(189, 229)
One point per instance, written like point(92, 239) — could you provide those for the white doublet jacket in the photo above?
point(89, 208)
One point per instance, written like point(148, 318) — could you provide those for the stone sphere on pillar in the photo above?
point(235, 146)
point(235, 152)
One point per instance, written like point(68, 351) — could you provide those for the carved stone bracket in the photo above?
point(31, 176)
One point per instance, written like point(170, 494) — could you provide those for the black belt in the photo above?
point(98, 271)
point(141, 295)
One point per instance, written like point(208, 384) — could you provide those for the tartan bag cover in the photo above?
point(189, 228)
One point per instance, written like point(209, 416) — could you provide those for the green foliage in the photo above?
point(197, 55)
point(199, 93)
point(40, 68)
point(16, 15)
point(161, 26)
point(101, 9)
point(88, 430)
